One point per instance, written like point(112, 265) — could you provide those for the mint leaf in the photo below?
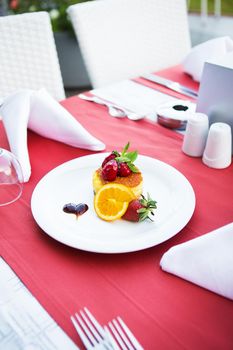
point(123, 159)
point(125, 149)
point(132, 156)
point(133, 168)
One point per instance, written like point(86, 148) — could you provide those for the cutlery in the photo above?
point(120, 336)
point(172, 85)
point(114, 111)
point(92, 334)
point(114, 336)
point(134, 116)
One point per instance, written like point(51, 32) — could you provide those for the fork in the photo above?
point(90, 331)
point(120, 336)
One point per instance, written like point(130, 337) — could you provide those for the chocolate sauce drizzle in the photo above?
point(77, 209)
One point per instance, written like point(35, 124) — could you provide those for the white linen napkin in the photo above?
point(206, 261)
point(209, 51)
point(38, 111)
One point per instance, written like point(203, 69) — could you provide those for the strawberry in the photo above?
point(109, 171)
point(140, 209)
point(128, 159)
point(124, 161)
point(123, 170)
point(111, 156)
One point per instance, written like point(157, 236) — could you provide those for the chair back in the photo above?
point(125, 38)
point(28, 56)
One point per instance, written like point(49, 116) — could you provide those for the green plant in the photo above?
point(55, 8)
point(226, 7)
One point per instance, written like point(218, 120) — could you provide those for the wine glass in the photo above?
point(11, 178)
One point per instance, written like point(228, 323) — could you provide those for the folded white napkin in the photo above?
point(38, 111)
point(206, 260)
point(208, 51)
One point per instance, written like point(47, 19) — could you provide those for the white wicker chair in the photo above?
point(121, 39)
point(28, 56)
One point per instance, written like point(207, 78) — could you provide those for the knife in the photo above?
point(171, 85)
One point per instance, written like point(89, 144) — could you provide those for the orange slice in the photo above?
point(111, 201)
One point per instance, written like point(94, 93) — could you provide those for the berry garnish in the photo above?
point(124, 161)
point(109, 170)
point(140, 209)
point(113, 155)
point(123, 170)
point(128, 158)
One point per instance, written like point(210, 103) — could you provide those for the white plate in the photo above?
point(72, 182)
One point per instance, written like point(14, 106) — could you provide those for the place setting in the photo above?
point(115, 201)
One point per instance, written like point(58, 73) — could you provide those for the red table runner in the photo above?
point(164, 311)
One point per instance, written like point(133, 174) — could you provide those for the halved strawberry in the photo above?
point(109, 171)
point(140, 209)
point(111, 156)
point(123, 170)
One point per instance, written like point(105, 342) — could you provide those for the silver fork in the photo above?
point(92, 334)
point(120, 336)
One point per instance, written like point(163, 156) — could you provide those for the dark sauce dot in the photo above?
point(77, 209)
point(180, 108)
point(81, 208)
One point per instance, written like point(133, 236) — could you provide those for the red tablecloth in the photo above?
point(164, 311)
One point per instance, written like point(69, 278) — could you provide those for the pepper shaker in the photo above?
point(196, 135)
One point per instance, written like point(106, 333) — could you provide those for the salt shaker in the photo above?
point(222, 113)
point(196, 134)
point(217, 153)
